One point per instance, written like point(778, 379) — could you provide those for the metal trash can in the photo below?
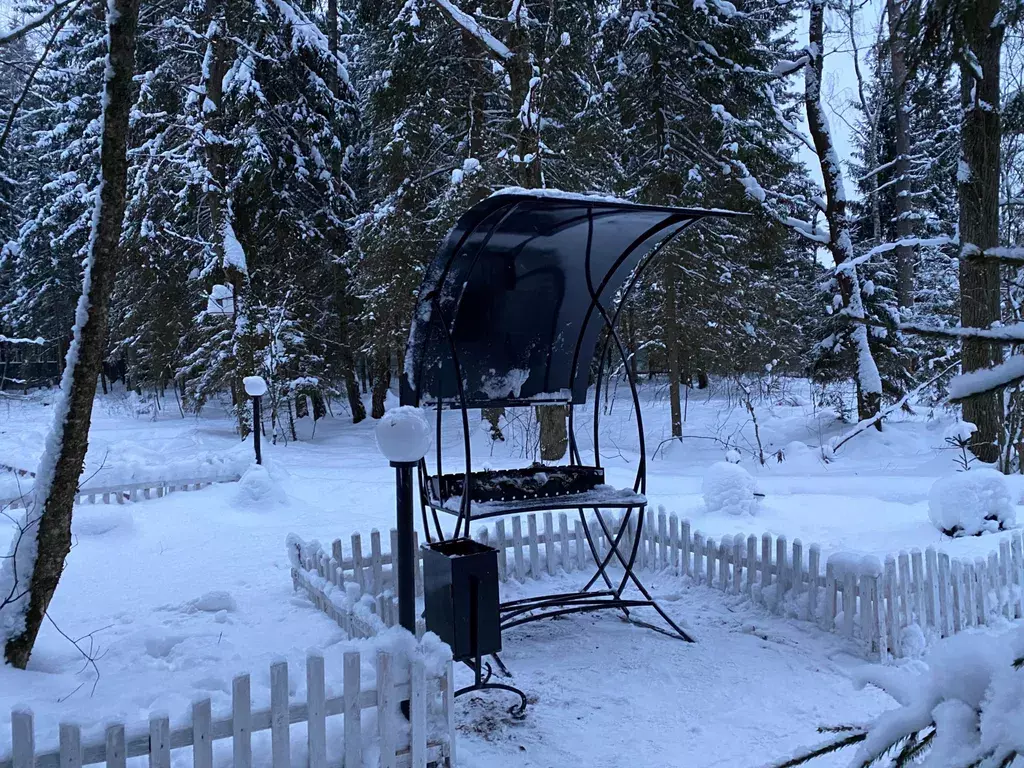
point(460, 596)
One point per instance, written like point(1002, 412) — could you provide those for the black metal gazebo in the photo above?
point(510, 314)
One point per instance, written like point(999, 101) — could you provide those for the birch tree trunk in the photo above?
point(46, 534)
point(869, 382)
point(980, 134)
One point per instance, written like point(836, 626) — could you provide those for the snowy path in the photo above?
point(610, 694)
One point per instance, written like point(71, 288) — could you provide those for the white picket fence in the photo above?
point(428, 739)
point(873, 602)
point(129, 492)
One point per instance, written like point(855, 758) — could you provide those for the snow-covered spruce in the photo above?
point(971, 503)
point(729, 488)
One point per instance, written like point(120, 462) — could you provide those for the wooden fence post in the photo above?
point(684, 546)
point(517, 547)
point(280, 742)
point(23, 739)
point(531, 527)
point(550, 557)
point(943, 587)
point(849, 601)
point(241, 722)
point(385, 729)
point(1005, 581)
point(766, 561)
point(202, 738)
point(892, 617)
point(698, 556)
point(828, 617)
point(71, 746)
point(781, 570)
point(353, 727)
point(737, 562)
point(316, 712)
point(956, 582)
point(563, 536)
point(673, 535)
point(501, 543)
point(581, 553)
point(931, 587)
point(116, 757)
point(160, 742)
point(813, 569)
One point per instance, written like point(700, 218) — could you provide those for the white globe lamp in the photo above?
point(403, 435)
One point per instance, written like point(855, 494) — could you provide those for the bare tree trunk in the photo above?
point(904, 223)
point(61, 465)
point(671, 326)
point(382, 378)
point(980, 134)
point(554, 440)
point(355, 400)
point(869, 382)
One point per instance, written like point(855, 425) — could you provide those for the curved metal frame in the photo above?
point(532, 609)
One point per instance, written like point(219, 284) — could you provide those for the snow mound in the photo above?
point(971, 503)
point(259, 485)
point(729, 488)
point(213, 602)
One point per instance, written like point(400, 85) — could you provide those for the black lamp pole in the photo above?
point(406, 545)
point(256, 428)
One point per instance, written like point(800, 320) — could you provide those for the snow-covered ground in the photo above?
point(139, 577)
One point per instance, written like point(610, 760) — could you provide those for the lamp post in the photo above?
point(255, 387)
point(403, 436)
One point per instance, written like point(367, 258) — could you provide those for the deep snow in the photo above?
point(754, 686)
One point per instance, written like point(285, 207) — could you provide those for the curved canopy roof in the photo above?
point(513, 303)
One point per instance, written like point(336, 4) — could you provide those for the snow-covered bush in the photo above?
point(729, 488)
point(971, 503)
point(964, 707)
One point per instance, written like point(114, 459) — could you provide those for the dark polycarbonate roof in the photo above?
point(513, 283)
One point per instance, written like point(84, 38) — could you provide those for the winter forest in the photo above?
point(193, 192)
point(291, 167)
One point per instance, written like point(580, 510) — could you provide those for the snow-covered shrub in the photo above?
point(729, 488)
point(964, 707)
point(971, 503)
point(958, 435)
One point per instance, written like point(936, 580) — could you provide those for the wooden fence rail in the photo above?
point(873, 601)
point(120, 494)
point(429, 737)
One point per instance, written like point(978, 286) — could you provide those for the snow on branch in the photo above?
point(913, 242)
point(470, 25)
point(806, 229)
point(786, 67)
point(305, 32)
point(865, 424)
point(1013, 254)
point(987, 379)
point(39, 340)
point(1011, 334)
point(33, 23)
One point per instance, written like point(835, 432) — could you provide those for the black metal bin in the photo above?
point(460, 589)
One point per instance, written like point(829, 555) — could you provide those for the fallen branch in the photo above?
point(868, 423)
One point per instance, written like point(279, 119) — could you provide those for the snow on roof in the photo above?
point(559, 194)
